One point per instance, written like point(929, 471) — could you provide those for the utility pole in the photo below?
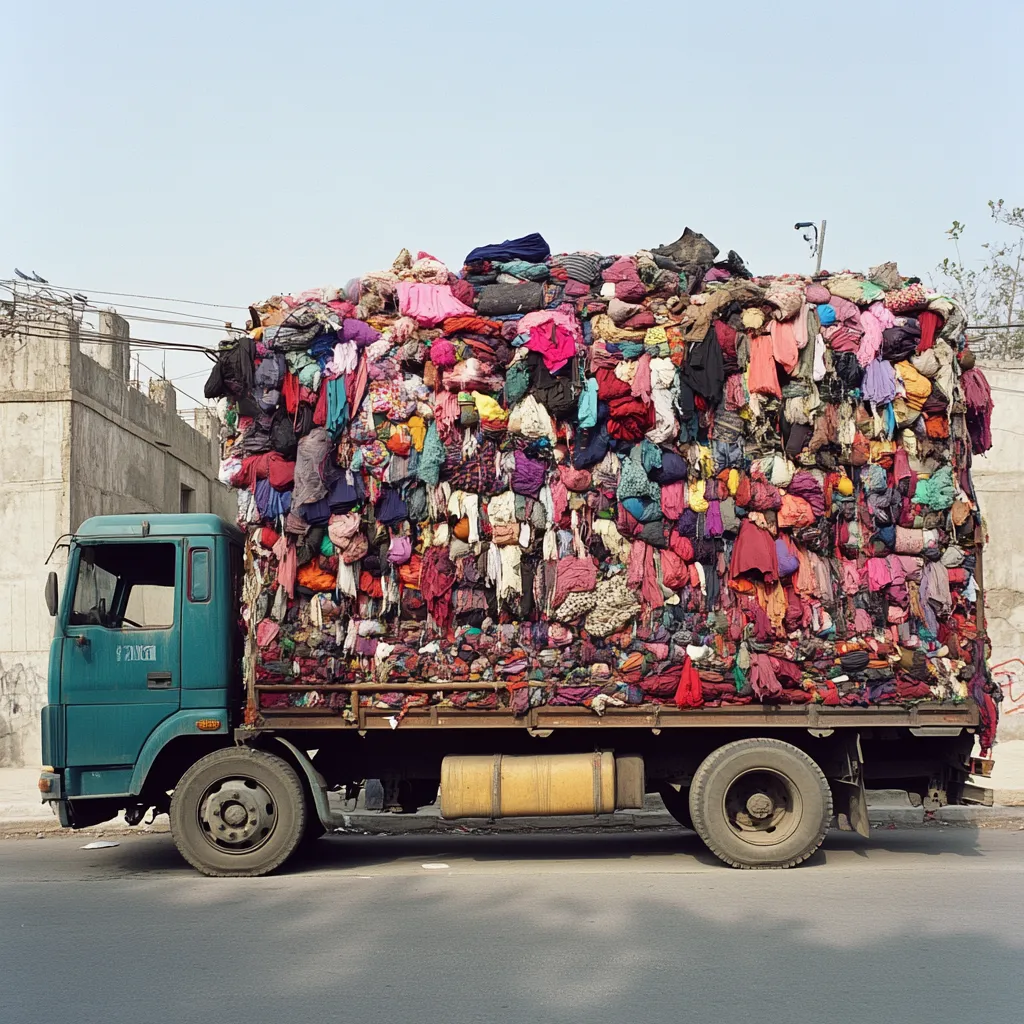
point(821, 248)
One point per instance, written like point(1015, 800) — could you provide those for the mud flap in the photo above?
point(849, 787)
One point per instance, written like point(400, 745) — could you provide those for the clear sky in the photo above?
point(226, 151)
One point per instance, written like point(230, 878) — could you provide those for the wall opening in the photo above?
point(188, 499)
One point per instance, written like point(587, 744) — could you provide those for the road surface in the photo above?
point(916, 925)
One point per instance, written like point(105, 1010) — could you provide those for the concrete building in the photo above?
point(76, 440)
point(999, 479)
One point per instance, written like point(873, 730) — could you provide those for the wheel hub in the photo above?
point(237, 814)
point(760, 806)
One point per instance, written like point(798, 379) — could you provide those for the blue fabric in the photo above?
point(337, 407)
point(271, 503)
point(317, 513)
point(594, 450)
point(826, 315)
point(531, 248)
point(586, 413)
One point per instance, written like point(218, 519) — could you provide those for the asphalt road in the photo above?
point(917, 925)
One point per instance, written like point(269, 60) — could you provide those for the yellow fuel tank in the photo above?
point(506, 786)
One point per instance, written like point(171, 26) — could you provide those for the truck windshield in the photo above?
point(124, 586)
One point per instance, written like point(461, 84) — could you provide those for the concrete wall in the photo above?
point(77, 441)
point(999, 479)
point(35, 460)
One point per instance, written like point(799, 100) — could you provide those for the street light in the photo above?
point(815, 241)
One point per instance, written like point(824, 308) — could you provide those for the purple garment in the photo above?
point(879, 383)
point(571, 695)
point(713, 520)
point(788, 562)
point(528, 476)
point(361, 333)
point(804, 485)
point(687, 524)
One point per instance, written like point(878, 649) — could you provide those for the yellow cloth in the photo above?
point(487, 407)
point(917, 385)
point(695, 496)
point(418, 429)
point(753, 318)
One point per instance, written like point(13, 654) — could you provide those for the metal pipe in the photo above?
point(821, 248)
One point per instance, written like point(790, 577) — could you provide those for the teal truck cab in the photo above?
point(147, 712)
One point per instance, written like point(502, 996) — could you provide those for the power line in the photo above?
point(42, 300)
point(160, 376)
point(42, 303)
point(133, 295)
point(53, 331)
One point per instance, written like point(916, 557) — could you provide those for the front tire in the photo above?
point(238, 812)
point(760, 803)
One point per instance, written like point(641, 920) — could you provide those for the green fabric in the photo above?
point(527, 271)
point(650, 456)
point(326, 547)
point(517, 382)
point(937, 491)
point(739, 678)
point(431, 458)
point(634, 482)
point(872, 293)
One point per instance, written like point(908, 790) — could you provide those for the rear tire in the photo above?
point(238, 812)
point(760, 803)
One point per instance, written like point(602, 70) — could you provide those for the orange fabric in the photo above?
point(370, 585)
point(794, 512)
point(313, 577)
point(410, 572)
point(762, 375)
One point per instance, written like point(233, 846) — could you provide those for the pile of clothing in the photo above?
point(576, 479)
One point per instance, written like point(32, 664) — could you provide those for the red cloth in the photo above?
point(271, 466)
point(688, 693)
point(930, 323)
point(754, 554)
point(320, 410)
point(290, 393)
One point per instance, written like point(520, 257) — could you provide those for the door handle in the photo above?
point(158, 680)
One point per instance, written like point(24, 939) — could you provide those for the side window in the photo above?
point(199, 574)
point(125, 586)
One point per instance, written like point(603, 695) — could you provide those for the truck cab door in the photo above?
point(121, 660)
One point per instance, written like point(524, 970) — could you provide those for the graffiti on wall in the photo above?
point(1010, 677)
point(22, 696)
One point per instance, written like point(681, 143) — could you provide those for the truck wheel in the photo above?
point(677, 803)
point(238, 812)
point(760, 803)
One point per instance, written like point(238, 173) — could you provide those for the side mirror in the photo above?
point(51, 593)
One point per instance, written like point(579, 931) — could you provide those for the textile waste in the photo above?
point(607, 481)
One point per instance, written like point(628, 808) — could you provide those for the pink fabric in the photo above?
point(642, 574)
point(573, 576)
point(266, 632)
point(287, 564)
point(673, 499)
point(879, 573)
point(554, 343)
point(784, 346)
point(872, 340)
point(568, 335)
point(429, 304)
point(641, 387)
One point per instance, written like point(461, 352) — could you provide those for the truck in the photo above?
point(148, 713)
